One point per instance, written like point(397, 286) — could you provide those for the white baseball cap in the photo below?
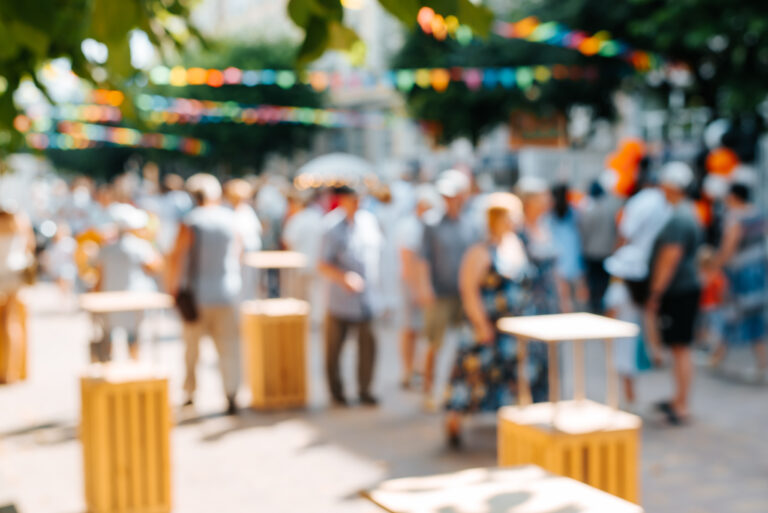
point(530, 184)
point(128, 217)
point(676, 174)
point(452, 183)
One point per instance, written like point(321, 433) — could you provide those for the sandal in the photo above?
point(453, 435)
point(454, 441)
point(673, 418)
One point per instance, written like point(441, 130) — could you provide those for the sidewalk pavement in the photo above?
point(319, 458)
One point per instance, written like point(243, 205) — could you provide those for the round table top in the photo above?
point(124, 301)
point(276, 260)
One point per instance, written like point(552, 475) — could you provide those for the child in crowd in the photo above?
point(125, 265)
point(629, 354)
point(714, 286)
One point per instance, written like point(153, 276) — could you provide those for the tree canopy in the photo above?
point(324, 29)
point(34, 33)
point(239, 145)
point(462, 112)
point(725, 44)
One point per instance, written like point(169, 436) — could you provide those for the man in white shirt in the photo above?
point(239, 194)
point(303, 233)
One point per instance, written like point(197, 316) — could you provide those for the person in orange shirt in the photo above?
point(714, 286)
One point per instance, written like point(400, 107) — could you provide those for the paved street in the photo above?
point(317, 460)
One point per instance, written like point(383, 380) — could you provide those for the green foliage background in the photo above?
point(234, 146)
point(462, 112)
point(724, 43)
point(34, 32)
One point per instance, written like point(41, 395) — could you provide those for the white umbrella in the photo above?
point(332, 170)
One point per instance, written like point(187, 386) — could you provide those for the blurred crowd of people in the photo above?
point(436, 256)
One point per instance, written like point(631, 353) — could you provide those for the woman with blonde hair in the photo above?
point(494, 283)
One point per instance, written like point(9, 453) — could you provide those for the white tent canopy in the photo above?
point(332, 170)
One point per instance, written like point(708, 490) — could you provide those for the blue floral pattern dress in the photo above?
point(484, 375)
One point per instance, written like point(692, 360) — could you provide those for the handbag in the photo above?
point(642, 359)
point(186, 300)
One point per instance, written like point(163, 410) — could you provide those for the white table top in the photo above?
point(526, 489)
point(275, 307)
point(124, 301)
point(122, 372)
point(567, 327)
point(275, 260)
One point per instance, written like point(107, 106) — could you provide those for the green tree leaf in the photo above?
point(300, 11)
point(30, 37)
point(340, 36)
point(479, 18)
point(111, 20)
point(404, 10)
point(8, 46)
point(316, 40)
point(119, 61)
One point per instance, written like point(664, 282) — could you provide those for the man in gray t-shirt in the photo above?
point(206, 260)
point(349, 259)
point(682, 231)
point(445, 241)
point(673, 303)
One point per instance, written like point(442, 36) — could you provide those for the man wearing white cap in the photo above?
point(444, 243)
point(673, 302)
point(124, 265)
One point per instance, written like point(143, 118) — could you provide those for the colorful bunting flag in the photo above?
point(403, 79)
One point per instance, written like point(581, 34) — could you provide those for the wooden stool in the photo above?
point(125, 433)
point(589, 442)
point(527, 489)
point(274, 336)
point(13, 344)
point(581, 439)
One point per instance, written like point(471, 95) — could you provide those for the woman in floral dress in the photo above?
point(494, 281)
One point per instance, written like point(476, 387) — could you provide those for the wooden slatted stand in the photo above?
point(13, 344)
point(591, 442)
point(274, 341)
point(125, 435)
